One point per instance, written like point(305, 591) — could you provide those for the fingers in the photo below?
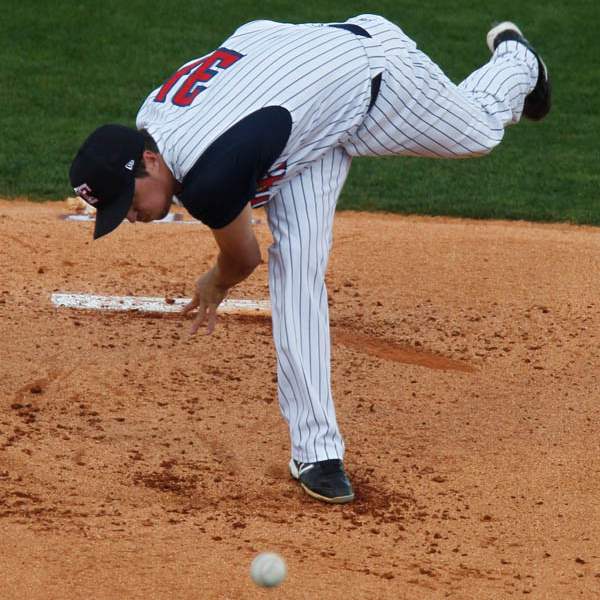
point(212, 318)
point(191, 305)
point(199, 319)
point(207, 296)
point(208, 314)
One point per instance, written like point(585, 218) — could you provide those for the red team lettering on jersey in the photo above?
point(197, 73)
point(264, 185)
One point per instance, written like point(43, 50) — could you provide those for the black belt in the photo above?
point(358, 30)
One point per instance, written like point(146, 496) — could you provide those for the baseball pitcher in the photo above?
point(275, 116)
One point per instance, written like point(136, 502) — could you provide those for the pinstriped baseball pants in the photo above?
point(301, 220)
point(418, 112)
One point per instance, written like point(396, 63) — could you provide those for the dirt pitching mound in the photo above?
point(136, 462)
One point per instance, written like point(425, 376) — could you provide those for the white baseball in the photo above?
point(268, 569)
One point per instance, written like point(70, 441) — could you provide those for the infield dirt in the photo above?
point(136, 462)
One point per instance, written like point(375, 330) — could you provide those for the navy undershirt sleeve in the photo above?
point(224, 179)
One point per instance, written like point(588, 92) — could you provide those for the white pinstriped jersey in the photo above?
point(321, 75)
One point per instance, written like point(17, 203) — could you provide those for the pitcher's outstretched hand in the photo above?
point(207, 297)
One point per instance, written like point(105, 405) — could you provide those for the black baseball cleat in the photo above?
point(538, 102)
point(325, 480)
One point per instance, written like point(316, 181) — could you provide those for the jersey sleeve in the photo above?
point(224, 179)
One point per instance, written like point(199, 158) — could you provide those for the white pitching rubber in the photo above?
point(151, 305)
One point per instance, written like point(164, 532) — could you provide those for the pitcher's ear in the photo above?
point(151, 161)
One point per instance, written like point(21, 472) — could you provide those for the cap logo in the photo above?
point(85, 192)
point(130, 164)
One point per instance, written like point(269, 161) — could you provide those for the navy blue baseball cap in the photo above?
point(102, 173)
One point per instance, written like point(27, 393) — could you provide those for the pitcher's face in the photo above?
point(153, 194)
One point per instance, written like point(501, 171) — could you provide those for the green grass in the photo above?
point(68, 66)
